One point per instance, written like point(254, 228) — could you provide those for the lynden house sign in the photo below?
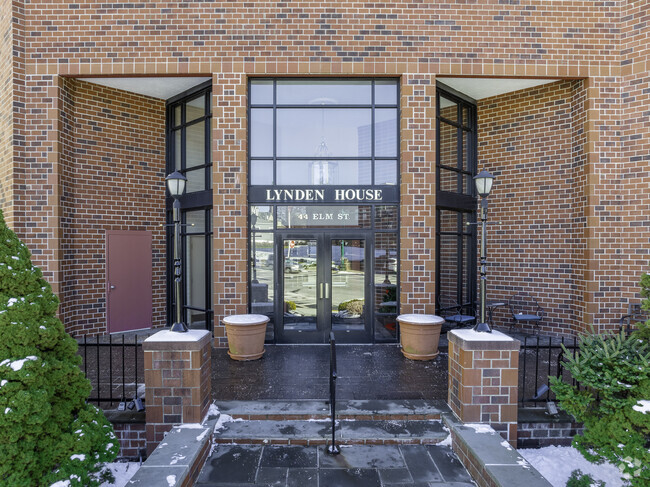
point(328, 194)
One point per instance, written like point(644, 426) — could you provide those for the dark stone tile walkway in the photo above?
point(356, 466)
point(296, 372)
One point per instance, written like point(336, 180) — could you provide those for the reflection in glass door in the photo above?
point(348, 278)
point(324, 285)
point(300, 285)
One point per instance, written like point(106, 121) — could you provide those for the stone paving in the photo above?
point(296, 372)
point(355, 466)
point(283, 443)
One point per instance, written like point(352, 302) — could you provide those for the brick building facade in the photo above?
point(79, 158)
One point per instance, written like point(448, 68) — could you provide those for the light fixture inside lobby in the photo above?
point(323, 171)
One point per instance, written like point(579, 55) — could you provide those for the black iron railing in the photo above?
point(115, 368)
point(333, 449)
point(539, 359)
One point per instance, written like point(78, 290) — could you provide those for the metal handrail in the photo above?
point(333, 449)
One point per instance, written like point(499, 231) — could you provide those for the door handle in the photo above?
point(324, 290)
point(111, 286)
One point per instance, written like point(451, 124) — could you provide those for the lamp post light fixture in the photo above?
point(176, 185)
point(483, 181)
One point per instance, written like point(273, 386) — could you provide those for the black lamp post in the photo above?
point(176, 186)
point(483, 181)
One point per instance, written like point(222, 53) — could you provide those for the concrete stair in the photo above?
point(308, 423)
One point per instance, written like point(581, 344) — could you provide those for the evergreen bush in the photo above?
point(49, 435)
point(612, 398)
point(579, 479)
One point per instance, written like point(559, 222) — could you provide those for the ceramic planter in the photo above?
point(419, 335)
point(246, 335)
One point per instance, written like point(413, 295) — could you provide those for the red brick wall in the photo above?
point(229, 190)
point(113, 170)
point(417, 194)
point(468, 33)
point(132, 438)
point(634, 195)
point(6, 112)
point(526, 139)
point(599, 41)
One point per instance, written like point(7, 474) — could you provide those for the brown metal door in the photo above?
point(128, 280)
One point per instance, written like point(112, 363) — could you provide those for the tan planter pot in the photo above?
point(245, 336)
point(419, 335)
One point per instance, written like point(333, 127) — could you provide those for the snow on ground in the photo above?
point(122, 472)
point(557, 462)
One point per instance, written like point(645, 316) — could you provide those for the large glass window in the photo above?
point(189, 123)
point(323, 132)
point(456, 202)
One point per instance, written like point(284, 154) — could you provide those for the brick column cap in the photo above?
point(173, 340)
point(469, 339)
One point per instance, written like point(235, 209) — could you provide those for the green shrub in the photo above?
point(643, 331)
point(579, 479)
point(352, 306)
point(48, 433)
point(614, 373)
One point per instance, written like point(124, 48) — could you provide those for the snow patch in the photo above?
point(7, 410)
point(3, 382)
point(171, 480)
point(190, 426)
point(16, 365)
point(523, 463)
point(122, 471)
point(175, 458)
point(556, 463)
point(417, 319)
point(446, 441)
point(223, 419)
point(643, 406)
point(477, 336)
point(245, 319)
point(480, 428)
point(506, 445)
point(174, 336)
point(81, 457)
point(202, 435)
point(13, 301)
point(61, 483)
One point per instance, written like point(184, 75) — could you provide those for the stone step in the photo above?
point(359, 410)
point(318, 432)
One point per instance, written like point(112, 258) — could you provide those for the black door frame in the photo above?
point(323, 286)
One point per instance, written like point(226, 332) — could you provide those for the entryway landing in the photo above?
point(301, 372)
point(382, 443)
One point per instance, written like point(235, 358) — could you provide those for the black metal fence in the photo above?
point(115, 368)
point(539, 359)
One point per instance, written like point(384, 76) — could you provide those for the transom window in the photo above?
point(323, 132)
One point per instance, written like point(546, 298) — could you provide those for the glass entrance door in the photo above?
point(323, 283)
point(300, 281)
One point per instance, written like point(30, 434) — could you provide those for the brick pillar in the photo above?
point(177, 377)
point(483, 377)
